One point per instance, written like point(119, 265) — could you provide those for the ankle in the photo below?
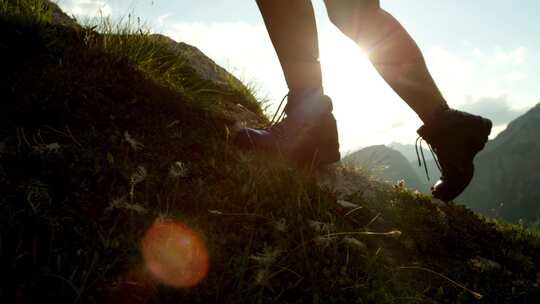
point(303, 95)
point(308, 102)
point(433, 116)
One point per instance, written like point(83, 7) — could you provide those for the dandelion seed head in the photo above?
point(135, 145)
point(281, 225)
point(178, 170)
point(139, 175)
point(320, 226)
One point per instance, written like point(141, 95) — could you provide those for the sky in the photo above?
point(483, 54)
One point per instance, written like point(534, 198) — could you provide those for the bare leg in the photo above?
point(307, 134)
point(292, 29)
point(391, 50)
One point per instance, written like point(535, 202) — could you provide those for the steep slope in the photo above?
point(507, 177)
point(105, 136)
point(386, 164)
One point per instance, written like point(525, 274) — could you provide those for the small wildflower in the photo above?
point(47, 148)
point(482, 264)
point(400, 185)
point(54, 147)
point(261, 277)
point(139, 175)
point(132, 142)
point(267, 257)
point(110, 158)
point(281, 225)
point(178, 170)
point(320, 226)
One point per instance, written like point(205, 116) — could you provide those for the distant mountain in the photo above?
point(386, 164)
point(409, 151)
point(507, 178)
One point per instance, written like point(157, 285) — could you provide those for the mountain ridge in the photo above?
point(386, 164)
point(506, 176)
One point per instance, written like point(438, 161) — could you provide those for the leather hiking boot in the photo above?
point(455, 137)
point(307, 135)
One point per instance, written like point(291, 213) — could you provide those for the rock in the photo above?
point(205, 67)
point(57, 14)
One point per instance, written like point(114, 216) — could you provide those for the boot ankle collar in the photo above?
point(310, 108)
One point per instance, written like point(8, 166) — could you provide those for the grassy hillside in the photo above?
point(102, 135)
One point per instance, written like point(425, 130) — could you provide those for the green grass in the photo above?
point(105, 129)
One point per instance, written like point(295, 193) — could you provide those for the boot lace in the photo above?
point(418, 146)
point(278, 116)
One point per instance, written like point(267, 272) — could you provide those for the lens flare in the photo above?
point(174, 254)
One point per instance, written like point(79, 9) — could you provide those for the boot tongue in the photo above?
point(307, 103)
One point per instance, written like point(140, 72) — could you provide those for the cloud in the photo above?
point(515, 76)
point(477, 73)
point(242, 48)
point(161, 19)
point(86, 8)
point(498, 109)
point(514, 57)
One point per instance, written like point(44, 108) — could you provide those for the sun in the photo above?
point(367, 110)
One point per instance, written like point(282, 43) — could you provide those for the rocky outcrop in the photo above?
point(56, 12)
point(205, 67)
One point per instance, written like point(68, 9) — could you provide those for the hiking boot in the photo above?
point(455, 137)
point(307, 135)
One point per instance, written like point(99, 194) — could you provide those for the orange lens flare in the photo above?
point(174, 254)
